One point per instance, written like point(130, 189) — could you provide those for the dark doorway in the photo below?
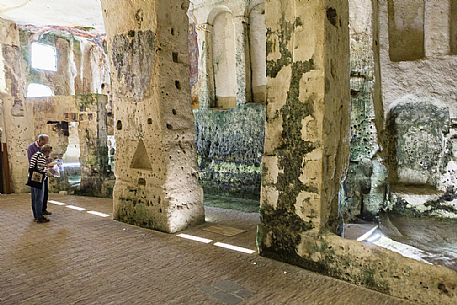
point(5, 185)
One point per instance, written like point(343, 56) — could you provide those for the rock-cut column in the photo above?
point(205, 65)
point(307, 130)
point(243, 65)
point(156, 181)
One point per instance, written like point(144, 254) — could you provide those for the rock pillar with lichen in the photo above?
point(156, 178)
point(307, 131)
point(366, 182)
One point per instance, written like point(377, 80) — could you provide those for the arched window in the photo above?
point(258, 33)
point(37, 90)
point(224, 61)
point(44, 57)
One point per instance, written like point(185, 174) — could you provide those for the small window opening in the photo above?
point(37, 90)
point(44, 57)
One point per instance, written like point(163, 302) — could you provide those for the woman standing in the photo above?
point(38, 167)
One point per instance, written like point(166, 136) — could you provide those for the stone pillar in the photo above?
point(93, 142)
point(243, 66)
point(307, 130)
point(18, 131)
point(156, 185)
point(205, 65)
point(365, 183)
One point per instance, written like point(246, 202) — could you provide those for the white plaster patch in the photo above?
point(307, 206)
point(449, 177)
point(269, 197)
point(309, 130)
point(312, 169)
point(270, 163)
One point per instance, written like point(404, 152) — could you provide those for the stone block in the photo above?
point(417, 126)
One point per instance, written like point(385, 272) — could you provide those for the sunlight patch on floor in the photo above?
point(195, 238)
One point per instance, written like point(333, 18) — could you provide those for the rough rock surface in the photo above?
point(417, 128)
point(230, 147)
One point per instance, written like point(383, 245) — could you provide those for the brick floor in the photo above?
point(79, 258)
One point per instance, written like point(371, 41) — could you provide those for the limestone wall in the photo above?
point(419, 95)
point(82, 64)
point(403, 108)
point(53, 116)
point(365, 187)
point(303, 165)
point(307, 133)
point(18, 129)
point(432, 73)
point(20, 120)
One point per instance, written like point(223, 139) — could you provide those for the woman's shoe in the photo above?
point(42, 220)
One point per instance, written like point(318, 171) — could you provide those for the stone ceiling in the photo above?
point(73, 13)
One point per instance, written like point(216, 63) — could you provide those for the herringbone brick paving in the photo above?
point(79, 258)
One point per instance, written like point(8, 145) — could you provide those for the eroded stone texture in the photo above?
point(75, 74)
point(257, 48)
point(379, 269)
point(161, 191)
point(417, 129)
point(17, 125)
point(432, 76)
point(423, 149)
point(299, 193)
point(81, 62)
point(365, 184)
point(230, 146)
point(453, 24)
point(93, 143)
point(133, 58)
point(60, 80)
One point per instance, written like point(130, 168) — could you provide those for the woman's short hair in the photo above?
point(46, 148)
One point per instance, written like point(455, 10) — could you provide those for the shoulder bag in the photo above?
point(35, 178)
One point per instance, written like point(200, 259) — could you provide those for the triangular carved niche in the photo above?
point(140, 158)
